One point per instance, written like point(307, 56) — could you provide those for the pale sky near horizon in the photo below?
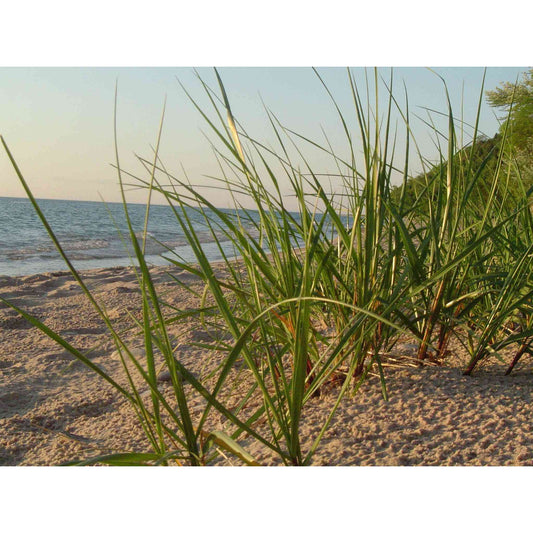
point(58, 122)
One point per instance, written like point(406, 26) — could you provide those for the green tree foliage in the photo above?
point(517, 101)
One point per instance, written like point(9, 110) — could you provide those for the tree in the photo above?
point(517, 100)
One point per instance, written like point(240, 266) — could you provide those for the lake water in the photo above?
point(90, 234)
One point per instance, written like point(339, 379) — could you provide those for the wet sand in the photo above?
point(53, 409)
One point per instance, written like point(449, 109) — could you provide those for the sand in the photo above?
point(53, 409)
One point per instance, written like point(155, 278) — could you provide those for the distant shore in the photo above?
point(53, 409)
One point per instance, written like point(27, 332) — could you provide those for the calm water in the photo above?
point(88, 233)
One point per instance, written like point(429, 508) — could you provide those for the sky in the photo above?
point(58, 121)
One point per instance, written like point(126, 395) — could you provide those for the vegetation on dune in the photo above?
point(516, 100)
point(515, 138)
point(483, 154)
point(321, 295)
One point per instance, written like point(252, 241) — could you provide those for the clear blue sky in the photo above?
point(58, 122)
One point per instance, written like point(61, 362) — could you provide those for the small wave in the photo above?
point(140, 234)
point(47, 249)
point(89, 244)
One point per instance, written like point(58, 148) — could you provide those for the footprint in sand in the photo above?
point(4, 363)
point(10, 319)
point(18, 402)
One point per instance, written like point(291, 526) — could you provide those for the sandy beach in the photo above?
point(53, 409)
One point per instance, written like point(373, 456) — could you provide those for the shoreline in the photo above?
point(54, 409)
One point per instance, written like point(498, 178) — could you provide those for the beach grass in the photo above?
point(320, 294)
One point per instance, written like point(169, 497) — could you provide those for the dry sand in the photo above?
point(53, 409)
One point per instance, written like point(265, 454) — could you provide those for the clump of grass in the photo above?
point(319, 293)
